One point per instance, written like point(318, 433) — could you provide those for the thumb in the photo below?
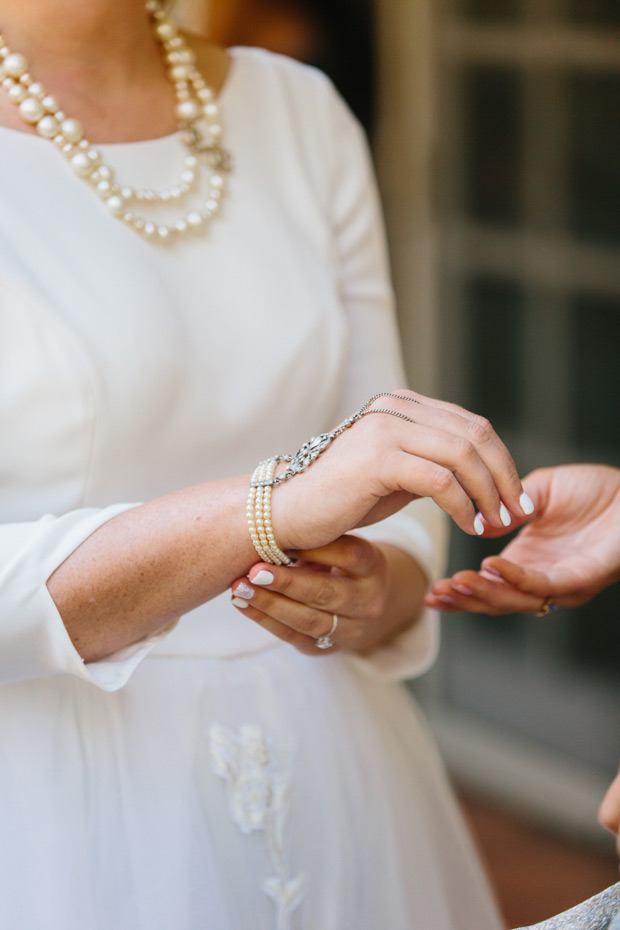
point(525, 579)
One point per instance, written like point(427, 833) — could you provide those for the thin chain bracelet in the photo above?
point(264, 479)
point(311, 450)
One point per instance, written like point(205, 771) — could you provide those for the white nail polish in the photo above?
point(245, 590)
point(526, 504)
point(504, 515)
point(263, 577)
point(479, 525)
point(239, 602)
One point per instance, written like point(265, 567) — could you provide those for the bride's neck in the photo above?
point(86, 44)
point(99, 57)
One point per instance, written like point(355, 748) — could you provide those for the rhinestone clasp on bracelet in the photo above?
point(265, 479)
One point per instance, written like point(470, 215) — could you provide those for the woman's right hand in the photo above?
point(382, 462)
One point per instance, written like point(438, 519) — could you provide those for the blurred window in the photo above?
point(529, 193)
point(493, 9)
point(596, 384)
point(594, 12)
point(594, 153)
point(493, 104)
point(494, 307)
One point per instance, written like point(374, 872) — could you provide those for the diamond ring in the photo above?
point(326, 641)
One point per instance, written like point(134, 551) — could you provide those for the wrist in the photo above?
point(258, 510)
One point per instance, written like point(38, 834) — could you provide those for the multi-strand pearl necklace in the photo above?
point(198, 117)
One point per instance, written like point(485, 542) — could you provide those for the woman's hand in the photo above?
point(569, 552)
point(383, 462)
point(149, 565)
point(375, 590)
point(609, 811)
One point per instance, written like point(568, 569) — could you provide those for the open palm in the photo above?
point(575, 540)
point(570, 551)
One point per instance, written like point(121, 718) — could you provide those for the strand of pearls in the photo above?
point(195, 104)
point(259, 514)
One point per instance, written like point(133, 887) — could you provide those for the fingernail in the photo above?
point(462, 589)
point(492, 571)
point(262, 577)
point(526, 504)
point(479, 525)
point(445, 598)
point(239, 602)
point(244, 589)
point(504, 515)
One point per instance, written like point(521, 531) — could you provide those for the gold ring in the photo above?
point(547, 607)
point(326, 641)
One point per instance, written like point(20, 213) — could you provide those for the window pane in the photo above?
point(596, 384)
point(494, 144)
point(594, 12)
point(594, 157)
point(595, 634)
point(494, 10)
point(494, 314)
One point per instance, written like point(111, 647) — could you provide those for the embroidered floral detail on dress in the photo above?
point(259, 800)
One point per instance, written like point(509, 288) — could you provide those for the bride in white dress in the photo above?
point(218, 771)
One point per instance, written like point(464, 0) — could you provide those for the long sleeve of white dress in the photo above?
point(35, 642)
point(108, 364)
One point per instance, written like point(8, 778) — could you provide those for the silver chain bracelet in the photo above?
point(310, 451)
point(264, 478)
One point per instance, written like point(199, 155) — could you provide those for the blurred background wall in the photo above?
point(496, 131)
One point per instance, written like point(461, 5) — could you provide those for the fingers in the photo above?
point(304, 642)
point(298, 604)
point(428, 479)
point(473, 592)
point(287, 619)
point(468, 446)
point(479, 432)
point(460, 457)
point(332, 592)
point(490, 531)
point(350, 554)
point(525, 579)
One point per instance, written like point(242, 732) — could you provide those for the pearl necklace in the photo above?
point(195, 104)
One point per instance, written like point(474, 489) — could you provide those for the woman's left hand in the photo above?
point(568, 552)
point(374, 589)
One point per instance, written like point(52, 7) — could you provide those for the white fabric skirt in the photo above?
point(270, 792)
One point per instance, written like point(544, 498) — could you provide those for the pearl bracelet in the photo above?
point(265, 479)
point(259, 514)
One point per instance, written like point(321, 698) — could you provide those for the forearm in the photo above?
point(152, 563)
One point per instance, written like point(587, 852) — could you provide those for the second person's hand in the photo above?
point(569, 552)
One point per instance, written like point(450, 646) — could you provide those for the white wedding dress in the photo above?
point(211, 778)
